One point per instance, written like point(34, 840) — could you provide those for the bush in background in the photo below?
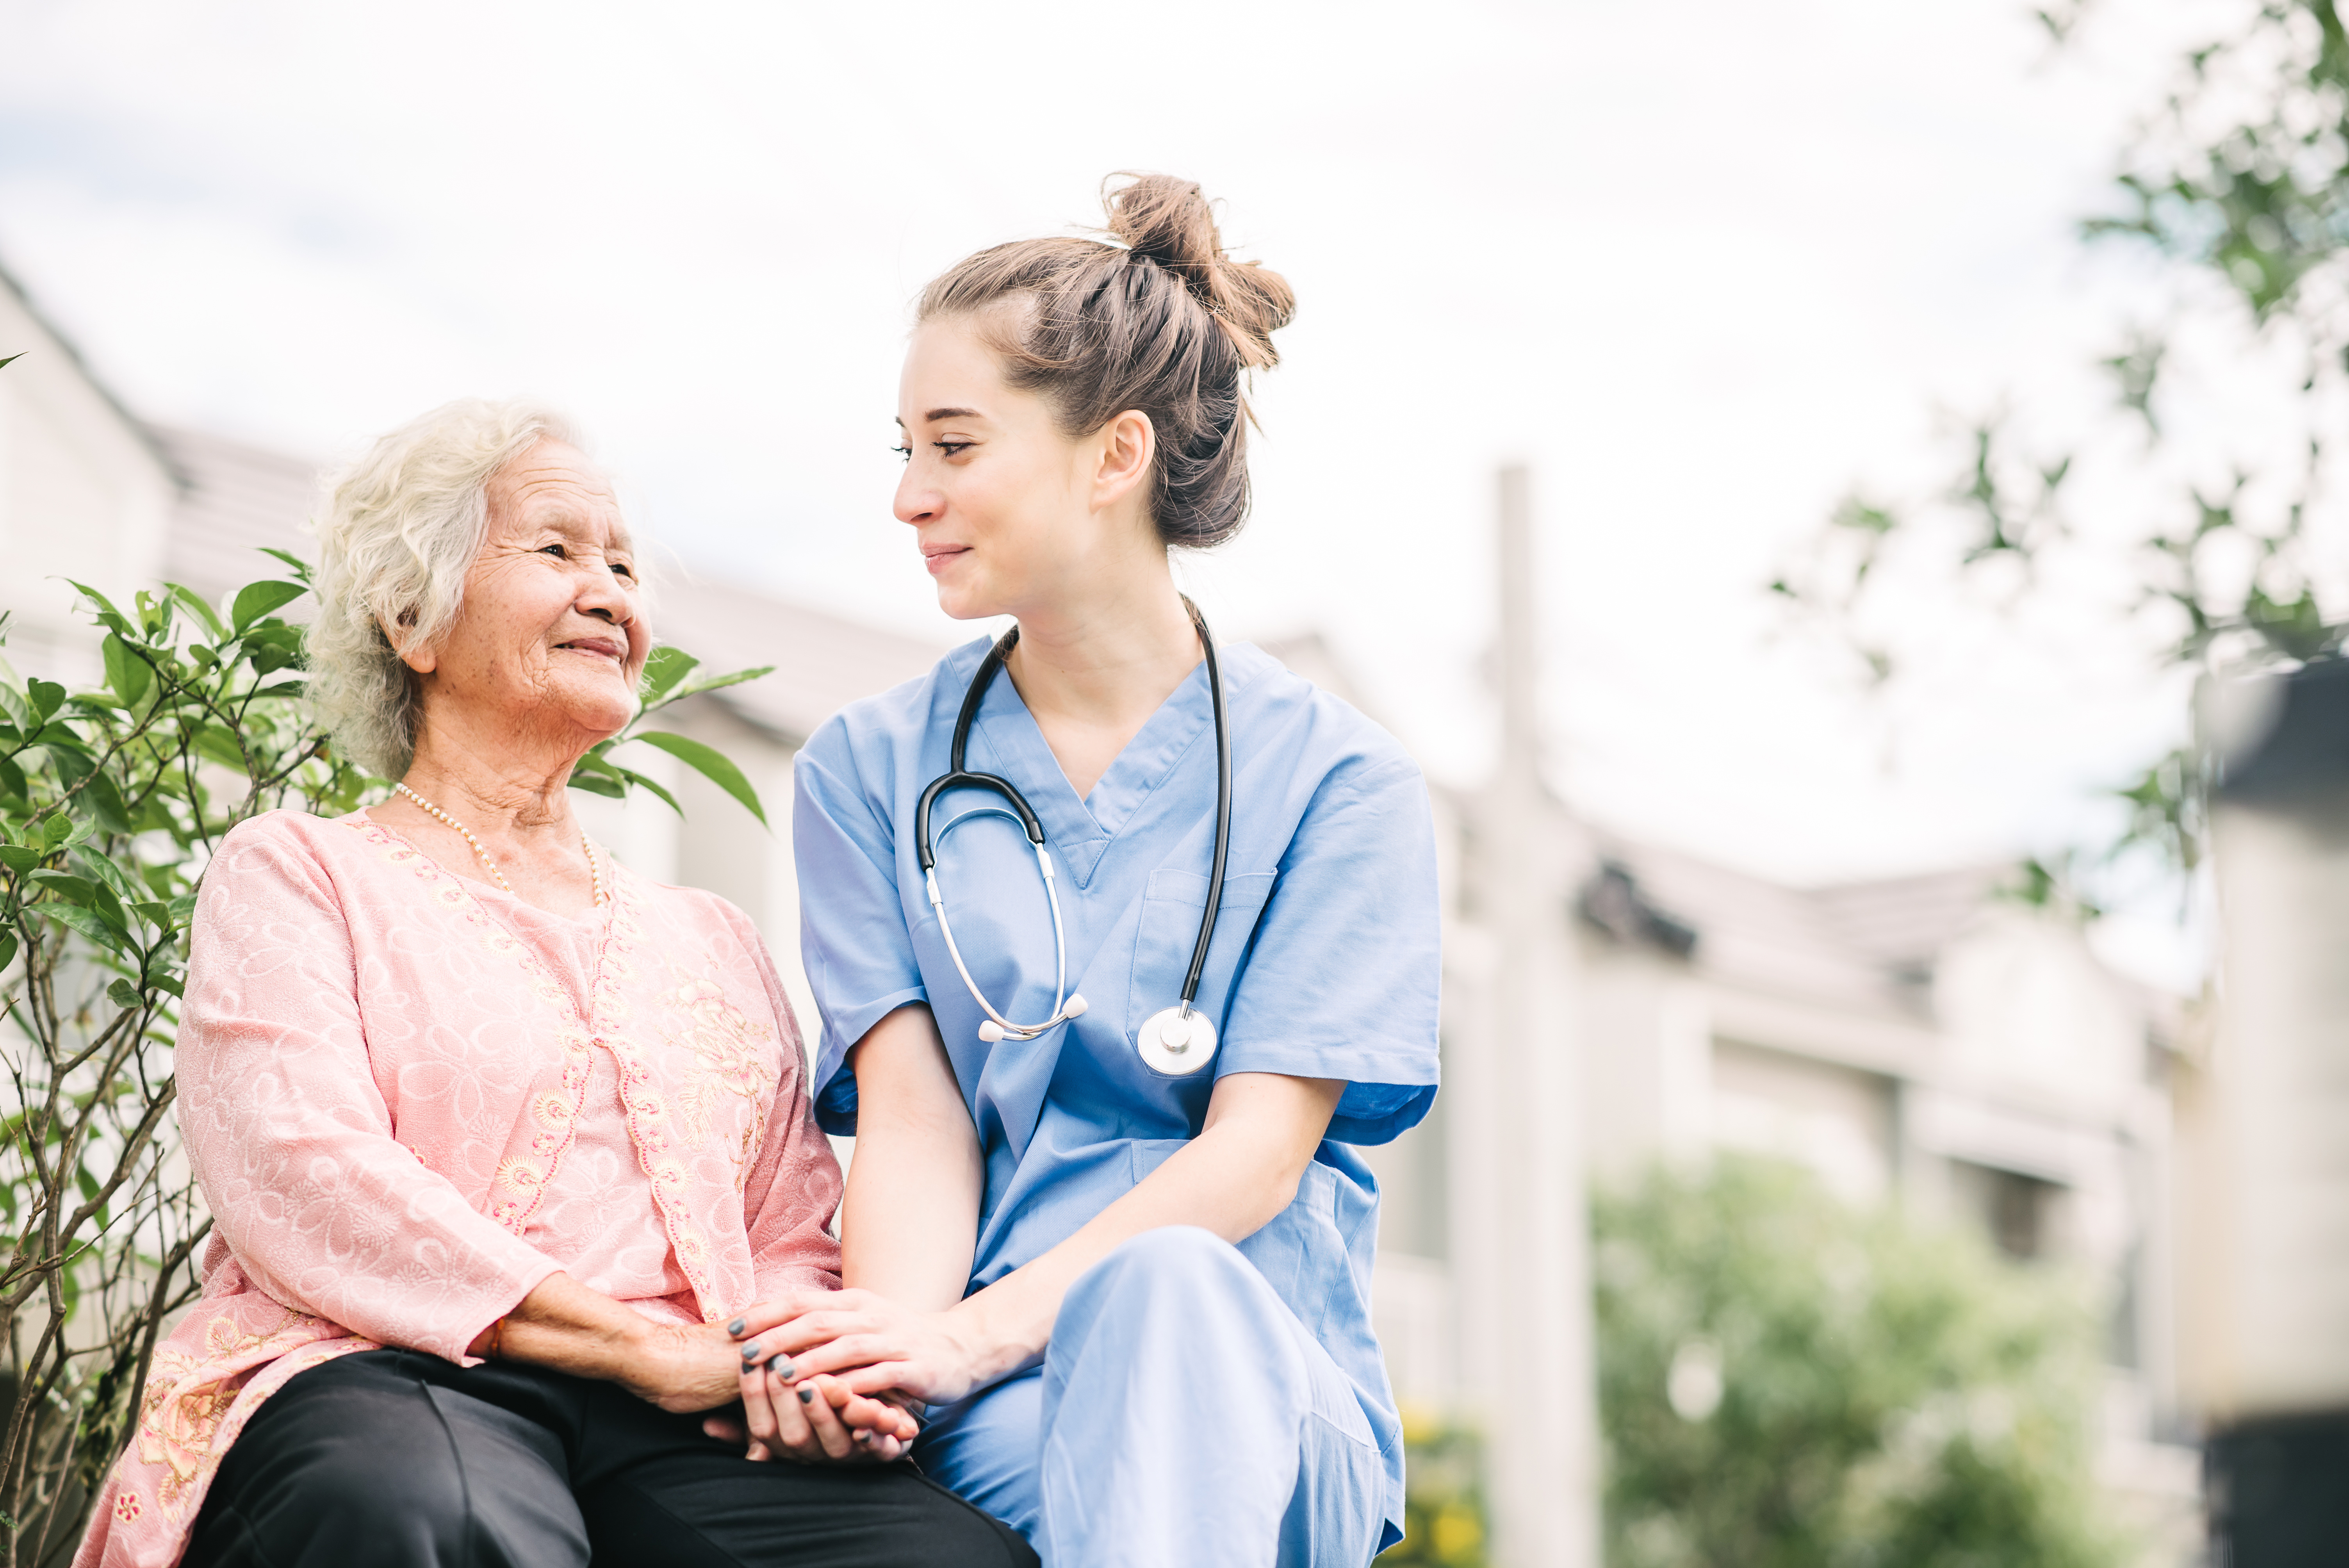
point(1444, 1508)
point(1786, 1382)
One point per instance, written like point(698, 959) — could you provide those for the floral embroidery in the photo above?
point(188, 1397)
point(732, 1057)
point(126, 1507)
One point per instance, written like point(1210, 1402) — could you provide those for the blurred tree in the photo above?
point(1786, 1382)
point(2237, 185)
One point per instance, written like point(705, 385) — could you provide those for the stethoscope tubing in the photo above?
point(958, 775)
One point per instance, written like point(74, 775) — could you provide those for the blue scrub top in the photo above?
point(1325, 961)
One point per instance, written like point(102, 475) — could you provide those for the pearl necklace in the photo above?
point(595, 870)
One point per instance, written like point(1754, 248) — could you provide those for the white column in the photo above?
point(1520, 1224)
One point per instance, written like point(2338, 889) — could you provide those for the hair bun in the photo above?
point(1164, 219)
point(1168, 221)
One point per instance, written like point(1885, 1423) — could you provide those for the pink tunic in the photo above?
point(409, 1097)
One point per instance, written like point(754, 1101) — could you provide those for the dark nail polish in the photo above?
point(781, 1368)
point(749, 1354)
point(735, 1328)
point(807, 1395)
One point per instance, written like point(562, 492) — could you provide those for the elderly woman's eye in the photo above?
point(557, 551)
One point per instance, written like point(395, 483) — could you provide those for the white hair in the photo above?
point(402, 527)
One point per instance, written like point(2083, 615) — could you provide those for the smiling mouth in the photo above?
point(597, 647)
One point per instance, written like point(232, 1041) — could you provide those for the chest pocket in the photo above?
point(1169, 929)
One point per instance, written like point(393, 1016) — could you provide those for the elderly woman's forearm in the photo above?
point(565, 1325)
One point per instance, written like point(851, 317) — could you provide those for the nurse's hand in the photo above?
point(872, 1344)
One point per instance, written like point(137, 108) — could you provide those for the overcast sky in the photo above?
point(1703, 266)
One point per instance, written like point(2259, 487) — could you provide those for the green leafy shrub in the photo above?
point(111, 800)
point(1785, 1382)
point(1443, 1507)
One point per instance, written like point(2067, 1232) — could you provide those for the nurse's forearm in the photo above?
point(909, 1219)
point(1233, 1178)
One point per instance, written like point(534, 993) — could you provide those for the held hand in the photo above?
point(869, 1343)
point(814, 1418)
point(682, 1367)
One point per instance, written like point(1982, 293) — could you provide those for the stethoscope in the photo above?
point(1175, 1039)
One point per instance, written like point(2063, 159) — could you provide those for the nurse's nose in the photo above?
point(918, 502)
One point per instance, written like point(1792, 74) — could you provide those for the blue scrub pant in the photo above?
point(1182, 1416)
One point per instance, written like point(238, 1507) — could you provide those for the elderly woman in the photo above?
point(498, 1136)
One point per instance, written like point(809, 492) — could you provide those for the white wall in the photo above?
point(82, 496)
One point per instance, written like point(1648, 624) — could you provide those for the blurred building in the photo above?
point(1926, 1037)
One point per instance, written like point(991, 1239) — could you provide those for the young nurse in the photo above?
point(1119, 1247)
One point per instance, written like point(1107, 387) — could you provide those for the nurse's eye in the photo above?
point(951, 448)
point(903, 451)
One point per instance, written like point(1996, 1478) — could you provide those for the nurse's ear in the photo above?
point(1123, 453)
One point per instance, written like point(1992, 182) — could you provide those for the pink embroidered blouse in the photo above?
point(409, 1097)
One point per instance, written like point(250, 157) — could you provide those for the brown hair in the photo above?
point(1160, 322)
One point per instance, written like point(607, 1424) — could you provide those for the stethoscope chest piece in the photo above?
point(1174, 1043)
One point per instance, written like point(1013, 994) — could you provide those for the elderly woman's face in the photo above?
point(550, 632)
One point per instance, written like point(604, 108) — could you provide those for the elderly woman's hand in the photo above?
point(816, 1418)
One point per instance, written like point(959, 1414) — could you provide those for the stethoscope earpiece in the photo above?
point(1179, 1039)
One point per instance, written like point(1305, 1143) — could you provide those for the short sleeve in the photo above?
point(1344, 978)
point(852, 938)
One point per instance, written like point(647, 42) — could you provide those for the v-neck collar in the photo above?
point(1079, 831)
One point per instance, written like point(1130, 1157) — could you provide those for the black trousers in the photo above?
point(390, 1458)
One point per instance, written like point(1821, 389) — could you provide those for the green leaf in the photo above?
point(639, 781)
point(663, 667)
point(172, 982)
point(599, 784)
point(301, 568)
point(105, 800)
point(57, 830)
point(255, 600)
point(68, 886)
point(712, 765)
point(11, 360)
point(20, 858)
point(48, 697)
point(221, 747)
point(194, 604)
point(105, 614)
point(102, 869)
point(695, 688)
point(19, 711)
point(12, 781)
point(7, 948)
point(124, 995)
point(126, 672)
point(83, 921)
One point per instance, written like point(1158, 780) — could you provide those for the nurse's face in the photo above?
point(1013, 517)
